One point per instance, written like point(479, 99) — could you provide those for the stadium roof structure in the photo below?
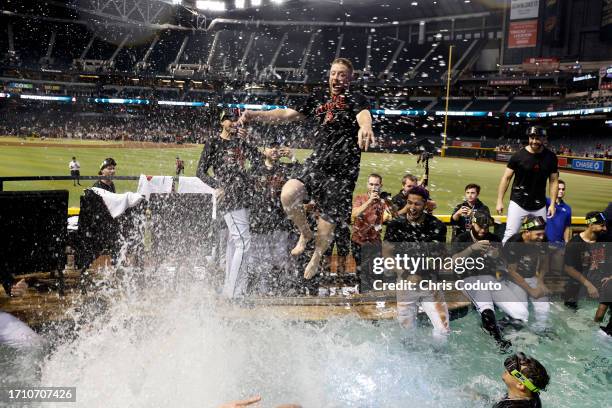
point(181, 14)
point(360, 10)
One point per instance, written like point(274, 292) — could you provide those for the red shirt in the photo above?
point(368, 226)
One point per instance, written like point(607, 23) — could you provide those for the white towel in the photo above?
point(117, 203)
point(154, 184)
point(191, 185)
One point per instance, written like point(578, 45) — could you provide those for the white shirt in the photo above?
point(74, 165)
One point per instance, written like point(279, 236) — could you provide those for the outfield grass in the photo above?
point(448, 176)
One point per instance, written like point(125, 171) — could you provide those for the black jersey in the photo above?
point(519, 403)
point(402, 230)
point(587, 258)
point(526, 255)
point(336, 150)
point(267, 212)
point(425, 239)
point(108, 187)
point(399, 200)
point(228, 158)
point(531, 172)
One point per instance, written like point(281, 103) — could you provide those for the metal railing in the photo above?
point(61, 178)
point(576, 221)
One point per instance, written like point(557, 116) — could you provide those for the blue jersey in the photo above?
point(556, 225)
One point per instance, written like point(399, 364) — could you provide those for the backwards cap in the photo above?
point(532, 223)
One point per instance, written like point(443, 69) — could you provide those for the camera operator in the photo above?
point(370, 211)
point(462, 214)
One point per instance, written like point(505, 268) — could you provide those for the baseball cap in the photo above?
point(532, 223)
point(536, 131)
point(595, 217)
point(109, 161)
point(483, 219)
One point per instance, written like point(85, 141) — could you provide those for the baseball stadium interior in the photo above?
point(131, 296)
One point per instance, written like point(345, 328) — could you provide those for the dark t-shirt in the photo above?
point(267, 212)
point(402, 230)
point(417, 240)
point(588, 259)
point(465, 223)
point(491, 258)
point(399, 200)
point(104, 186)
point(526, 255)
point(519, 403)
point(607, 237)
point(531, 172)
point(228, 161)
point(335, 142)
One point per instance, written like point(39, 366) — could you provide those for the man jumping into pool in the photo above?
point(330, 173)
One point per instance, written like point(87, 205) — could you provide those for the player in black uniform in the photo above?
point(527, 264)
point(531, 168)
point(227, 156)
point(270, 228)
point(479, 242)
point(330, 173)
point(418, 233)
point(585, 260)
point(107, 169)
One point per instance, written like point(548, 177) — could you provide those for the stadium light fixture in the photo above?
point(255, 3)
point(240, 4)
point(210, 5)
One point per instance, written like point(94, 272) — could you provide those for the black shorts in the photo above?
point(75, 173)
point(333, 193)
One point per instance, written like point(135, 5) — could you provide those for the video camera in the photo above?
point(384, 196)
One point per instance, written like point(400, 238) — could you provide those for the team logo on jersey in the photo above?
point(338, 103)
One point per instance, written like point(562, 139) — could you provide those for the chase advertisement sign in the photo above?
point(588, 165)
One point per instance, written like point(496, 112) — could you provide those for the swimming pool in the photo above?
point(184, 351)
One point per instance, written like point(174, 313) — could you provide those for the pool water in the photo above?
point(183, 351)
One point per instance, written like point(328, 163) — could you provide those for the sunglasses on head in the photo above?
point(513, 366)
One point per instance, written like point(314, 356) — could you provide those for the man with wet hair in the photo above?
point(227, 156)
point(462, 214)
point(418, 232)
point(478, 242)
point(525, 377)
point(330, 173)
point(585, 260)
point(531, 167)
point(527, 264)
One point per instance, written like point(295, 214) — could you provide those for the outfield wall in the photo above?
point(582, 164)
